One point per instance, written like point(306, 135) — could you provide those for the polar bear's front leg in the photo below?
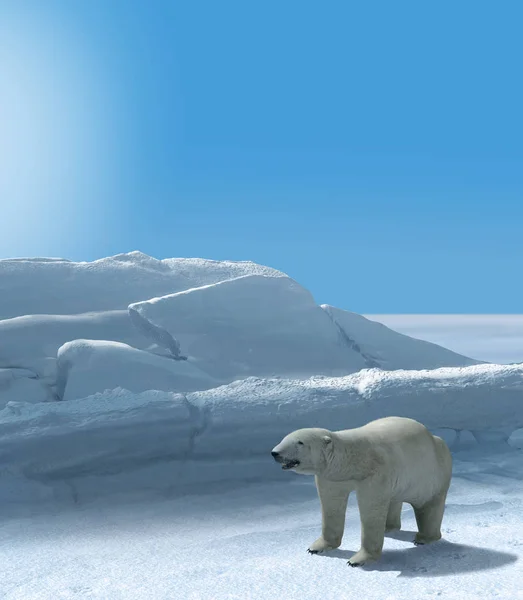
point(373, 503)
point(333, 497)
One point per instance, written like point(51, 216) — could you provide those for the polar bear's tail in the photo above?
point(444, 457)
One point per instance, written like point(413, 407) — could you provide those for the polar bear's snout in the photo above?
point(277, 456)
point(286, 462)
point(285, 456)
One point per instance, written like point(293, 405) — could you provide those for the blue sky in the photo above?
point(371, 150)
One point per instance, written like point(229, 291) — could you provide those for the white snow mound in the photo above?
point(85, 367)
point(55, 286)
point(387, 349)
point(23, 384)
point(29, 340)
point(232, 320)
point(253, 325)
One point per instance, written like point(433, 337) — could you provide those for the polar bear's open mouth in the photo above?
point(290, 464)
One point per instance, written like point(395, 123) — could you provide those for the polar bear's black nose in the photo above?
point(275, 454)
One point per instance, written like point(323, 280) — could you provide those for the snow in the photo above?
point(225, 433)
point(22, 383)
point(30, 339)
point(492, 338)
point(391, 350)
point(87, 366)
point(253, 325)
point(42, 286)
point(478, 398)
point(249, 543)
point(153, 477)
point(230, 320)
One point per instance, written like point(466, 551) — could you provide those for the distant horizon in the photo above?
point(374, 155)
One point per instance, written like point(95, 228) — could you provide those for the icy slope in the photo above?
point(232, 320)
point(85, 367)
point(59, 287)
point(390, 350)
point(31, 341)
point(23, 384)
point(254, 325)
point(225, 434)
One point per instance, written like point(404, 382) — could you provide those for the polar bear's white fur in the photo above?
point(387, 462)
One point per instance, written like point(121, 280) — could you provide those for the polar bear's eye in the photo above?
point(300, 443)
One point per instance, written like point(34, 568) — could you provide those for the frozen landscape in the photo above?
point(139, 402)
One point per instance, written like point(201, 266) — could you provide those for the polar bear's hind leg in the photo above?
point(429, 518)
point(394, 516)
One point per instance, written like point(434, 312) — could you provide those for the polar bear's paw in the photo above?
point(360, 558)
point(320, 545)
point(421, 540)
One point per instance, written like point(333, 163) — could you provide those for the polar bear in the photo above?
point(387, 462)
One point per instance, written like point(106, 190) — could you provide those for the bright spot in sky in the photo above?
point(51, 124)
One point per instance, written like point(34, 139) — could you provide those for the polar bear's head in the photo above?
point(305, 451)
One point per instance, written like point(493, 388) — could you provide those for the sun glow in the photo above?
point(51, 127)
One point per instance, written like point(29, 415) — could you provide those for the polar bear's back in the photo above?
point(392, 429)
point(418, 462)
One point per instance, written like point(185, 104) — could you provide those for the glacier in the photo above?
point(227, 320)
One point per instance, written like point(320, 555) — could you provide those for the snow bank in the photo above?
point(43, 286)
point(226, 433)
point(481, 398)
point(28, 340)
point(56, 443)
point(253, 325)
point(384, 348)
point(85, 367)
point(25, 385)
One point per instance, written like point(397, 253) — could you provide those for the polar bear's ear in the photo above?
point(326, 440)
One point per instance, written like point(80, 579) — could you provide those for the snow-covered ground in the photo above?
point(139, 401)
point(249, 543)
